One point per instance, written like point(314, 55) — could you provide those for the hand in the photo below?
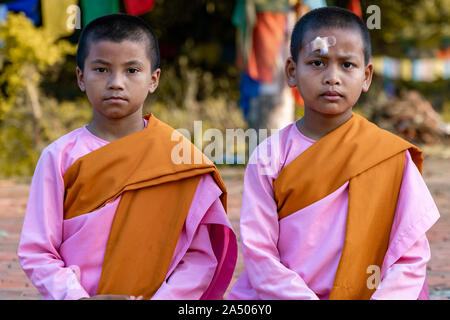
point(112, 297)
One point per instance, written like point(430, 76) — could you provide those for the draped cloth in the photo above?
point(156, 194)
point(372, 160)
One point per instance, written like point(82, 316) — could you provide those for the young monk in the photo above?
point(333, 206)
point(110, 214)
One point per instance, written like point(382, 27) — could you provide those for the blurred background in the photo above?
point(222, 63)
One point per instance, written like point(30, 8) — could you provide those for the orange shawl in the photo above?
point(156, 196)
point(372, 160)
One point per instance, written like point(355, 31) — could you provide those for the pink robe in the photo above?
point(297, 257)
point(63, 258)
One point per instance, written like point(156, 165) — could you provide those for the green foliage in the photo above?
point(445, 113)
point(39, 99)
point(187, 93)
point(197, 69)
point(28, 122)
point(409, 27)
point(18, 156)
point(27, 51)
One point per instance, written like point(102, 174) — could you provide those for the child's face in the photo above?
point(331, 84)
point(117, 77)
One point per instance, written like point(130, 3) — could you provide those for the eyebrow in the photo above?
point(348, 57)
point(340, 57)
point(133, 62)
point(101, 61)
point(128, 63)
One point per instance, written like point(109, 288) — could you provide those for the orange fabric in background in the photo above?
point(372, 160)
point(268, 38)
point(355, 7)
point(156, 196)
point(297, 97)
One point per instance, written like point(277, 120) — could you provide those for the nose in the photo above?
point(331, 77)
point(115, 81)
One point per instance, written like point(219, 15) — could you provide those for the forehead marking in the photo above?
point(322, 44)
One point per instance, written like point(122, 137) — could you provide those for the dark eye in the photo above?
point(133, 70)
point(100, 69)
point(348, 65)
point(317, 63)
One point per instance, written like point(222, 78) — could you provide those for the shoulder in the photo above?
point(60, 144)
point(60, 151)
point(381, 134)
point(207, 184)
point(379, 138)
point(274, 142)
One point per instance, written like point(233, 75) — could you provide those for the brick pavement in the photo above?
point(13, 198)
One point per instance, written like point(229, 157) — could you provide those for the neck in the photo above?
point(112, 129)
point(315, 125)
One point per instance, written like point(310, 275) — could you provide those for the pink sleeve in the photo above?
point(194, 272)
point(259, 228)
point(405, 279)
point(41, 236)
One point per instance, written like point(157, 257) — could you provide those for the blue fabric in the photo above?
point(415, 70)
point(3, 13)
point(29, 7)
point(248, 89)
point(314, 4)
point(389, 88)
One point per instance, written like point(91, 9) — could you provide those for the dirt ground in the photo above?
point(13, 200)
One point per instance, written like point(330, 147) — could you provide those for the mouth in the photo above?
point(331, 95)
point(115, 99)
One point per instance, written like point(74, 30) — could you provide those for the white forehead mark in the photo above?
point(322, 44)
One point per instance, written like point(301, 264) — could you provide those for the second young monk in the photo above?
point(111, 213)
point(333, 206)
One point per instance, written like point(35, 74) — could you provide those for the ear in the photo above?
point(154, 80)
point(368, 73)
point(80, 79)
point(290, 70)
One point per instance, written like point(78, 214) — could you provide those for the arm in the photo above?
point(259, 233)
point(405, 278)
point(42, 235)
point(194, 272)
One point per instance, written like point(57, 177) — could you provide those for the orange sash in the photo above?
point(156, 196)
point(372, 160)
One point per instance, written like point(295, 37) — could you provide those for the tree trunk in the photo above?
point(273, 109)
point(32, 91)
